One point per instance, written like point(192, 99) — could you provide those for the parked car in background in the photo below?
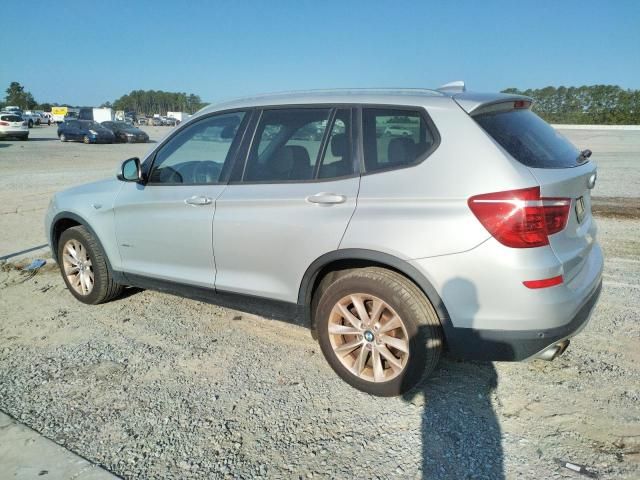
point(142, 121)
point(473, 235)
point(126, 133)
point(85, 131)
point(169, 121)
point(179, 116)
point(156, 121)
point(31, 118)
point(13, 125)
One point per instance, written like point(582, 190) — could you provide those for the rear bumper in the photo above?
point(14, 133)
point(515, 345)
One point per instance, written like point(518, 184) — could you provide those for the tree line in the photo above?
point(592, 104)
point(139, 101)
point(157, 101)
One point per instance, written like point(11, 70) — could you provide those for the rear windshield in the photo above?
point(11, 118)
point(529, 139)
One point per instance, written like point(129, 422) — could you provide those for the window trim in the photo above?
point(235, 147)
point(333, 107)
point(420, 110)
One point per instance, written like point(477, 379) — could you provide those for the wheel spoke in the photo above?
point(378, 371)
point(392, 324)
point(348, 347)
point(360, 308)
point(394, 342)
point(395, 363)
point(361, 361)
point(72, 251)
point(376, 311)
point(348, 316)
point(343, 330)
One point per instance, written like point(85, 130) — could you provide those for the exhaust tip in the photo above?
point(553, 351)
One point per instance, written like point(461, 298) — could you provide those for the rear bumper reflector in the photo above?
point(547, 282)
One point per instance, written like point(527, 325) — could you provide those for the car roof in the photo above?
point(401, 96)
point(469, 101)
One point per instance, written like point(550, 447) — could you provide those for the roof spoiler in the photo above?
point(453, 87)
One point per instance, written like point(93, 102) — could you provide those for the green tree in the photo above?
point(16, 95)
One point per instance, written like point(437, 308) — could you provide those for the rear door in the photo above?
point(289, 203)
point(560, 168)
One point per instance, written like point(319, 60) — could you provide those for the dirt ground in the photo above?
point(156, 386)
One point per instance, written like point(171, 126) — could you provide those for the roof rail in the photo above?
point(457, 86)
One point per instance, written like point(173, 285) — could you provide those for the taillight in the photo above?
point(4, 124)
point(521, 218)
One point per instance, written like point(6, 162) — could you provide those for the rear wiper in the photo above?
point(584, 156)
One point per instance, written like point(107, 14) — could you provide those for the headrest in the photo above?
point(289, 158)
point(401, 150)
point(339, 145)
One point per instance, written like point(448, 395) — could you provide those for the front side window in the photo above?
point(394, 138)
point(196, 154)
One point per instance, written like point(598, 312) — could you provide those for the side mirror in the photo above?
point(130, 170)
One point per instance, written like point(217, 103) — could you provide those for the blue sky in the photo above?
point(87, 52)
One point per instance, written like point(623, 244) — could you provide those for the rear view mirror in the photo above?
point(130, 170)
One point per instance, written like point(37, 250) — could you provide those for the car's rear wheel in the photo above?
point(63, 137)
point(30, 123)
point(84, 267)
point(377, 330)
point(86, 139)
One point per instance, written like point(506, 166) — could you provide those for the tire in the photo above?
point(63, 137)
point(103, 288)
point(30, 123)
point(86, 140)
point(24, 138)
point(420, 330)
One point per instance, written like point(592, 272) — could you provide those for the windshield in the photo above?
point(529, 139)
point(92, 124)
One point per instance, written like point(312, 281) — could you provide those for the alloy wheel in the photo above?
point(368, 337)
point(78, 267)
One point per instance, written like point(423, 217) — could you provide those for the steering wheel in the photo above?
point(170, 175)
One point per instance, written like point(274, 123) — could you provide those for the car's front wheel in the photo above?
point(86, 139)
point(377, 330)
point(63, 137)
point(84, 267)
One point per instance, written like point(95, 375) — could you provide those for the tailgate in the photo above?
point(573, 244)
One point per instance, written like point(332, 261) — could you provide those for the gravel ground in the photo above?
point(156, 386)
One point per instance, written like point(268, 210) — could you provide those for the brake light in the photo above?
point(547, 282)
point(4, 124)
point(521, 104)
point(521, 218)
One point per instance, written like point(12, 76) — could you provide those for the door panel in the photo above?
point(161, 235)
point(266, 236)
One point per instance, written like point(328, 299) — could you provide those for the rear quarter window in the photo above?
point(529, 139)
point(395, 138)
point(11, 118)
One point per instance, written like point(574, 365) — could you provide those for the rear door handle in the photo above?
point(324, 198)
point(196, 201)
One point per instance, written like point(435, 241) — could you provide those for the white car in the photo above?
point(13, 125)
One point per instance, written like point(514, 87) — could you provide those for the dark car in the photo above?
point(85, 131)
point(126, 132)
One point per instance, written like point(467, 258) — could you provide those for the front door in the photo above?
point(290, 205)
point(164, 227)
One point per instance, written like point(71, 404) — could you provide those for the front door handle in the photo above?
point(324, 198)
point(196, 200)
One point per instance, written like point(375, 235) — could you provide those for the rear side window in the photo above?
point(529, 139)
point(11, 118)
point(286, 145)
point(394, 138)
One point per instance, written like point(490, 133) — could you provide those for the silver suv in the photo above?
point(399, 225)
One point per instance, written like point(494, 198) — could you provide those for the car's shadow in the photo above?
point(31, 139)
